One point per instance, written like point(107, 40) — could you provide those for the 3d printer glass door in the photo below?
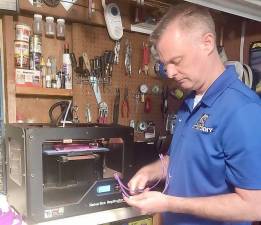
point(70, 170)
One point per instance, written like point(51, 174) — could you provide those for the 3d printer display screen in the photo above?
point(103, 189)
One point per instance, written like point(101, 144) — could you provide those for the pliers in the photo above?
point(125, 105)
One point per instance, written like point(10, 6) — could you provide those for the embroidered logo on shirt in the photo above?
point(200, 125)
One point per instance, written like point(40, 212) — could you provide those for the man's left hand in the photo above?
point(149, 202)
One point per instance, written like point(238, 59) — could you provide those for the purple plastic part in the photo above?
point(124, 188)
point(8, 218)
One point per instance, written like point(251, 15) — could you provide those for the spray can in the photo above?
point(67, 67)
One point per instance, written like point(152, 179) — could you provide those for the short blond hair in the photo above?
point(188, 16)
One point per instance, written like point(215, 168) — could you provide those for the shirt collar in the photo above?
point(217, 88)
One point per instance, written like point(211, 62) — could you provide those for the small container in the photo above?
point(21, 49)
point(37, 25)
point(60, 28)
point(49, 27)
point(22, 32)
point(35, 43)
point(35, 60)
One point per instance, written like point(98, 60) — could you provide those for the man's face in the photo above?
point(184, 57)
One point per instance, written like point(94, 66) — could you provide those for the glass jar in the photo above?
point(37, 25)
point(60, 28)
point(49, 27)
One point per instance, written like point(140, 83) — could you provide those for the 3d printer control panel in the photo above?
point(104, 189)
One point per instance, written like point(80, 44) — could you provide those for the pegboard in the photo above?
point(94, 41)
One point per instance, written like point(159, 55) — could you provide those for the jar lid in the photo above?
point(50, 18)
point(60, 21)
point(37, 16)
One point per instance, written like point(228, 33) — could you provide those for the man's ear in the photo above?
point(208, 42)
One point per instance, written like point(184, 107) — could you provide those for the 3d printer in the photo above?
point(60, 172)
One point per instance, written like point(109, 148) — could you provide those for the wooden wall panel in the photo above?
point(94, 40)
point(9, 33)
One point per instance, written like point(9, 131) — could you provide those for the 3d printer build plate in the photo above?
point(59, 149)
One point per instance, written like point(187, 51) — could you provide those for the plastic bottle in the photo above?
point(43, 72)
point(67, 67)
point(37, 25)
point(48, 77)
point(60, 28)
point(49, 26)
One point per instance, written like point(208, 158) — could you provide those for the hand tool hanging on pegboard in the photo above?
point(117, 49)
point(109, 60)
point(147, 105)
point(125, 105)
point(88, 115)
point(116, 106)
point(145, 60)
point(139, 11)
point(128, 55)
point(164, 102)
point(103, 113)
point(94, 81)
point(86, 62)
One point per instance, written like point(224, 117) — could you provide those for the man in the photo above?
point(214, 160)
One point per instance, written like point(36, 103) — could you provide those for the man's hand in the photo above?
point(151, 172)
point(139, 181)
point(149, 202)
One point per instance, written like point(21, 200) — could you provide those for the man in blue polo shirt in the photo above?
point(214, 160)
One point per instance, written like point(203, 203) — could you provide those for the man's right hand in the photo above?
point(147, 174)
point(138, 182)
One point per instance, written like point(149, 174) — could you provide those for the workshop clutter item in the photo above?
point(255, 63)
point(8, 216)
point(28, 78)
point(21, 49)
point(28, 54)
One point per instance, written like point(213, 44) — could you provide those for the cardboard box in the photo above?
point(28, 78)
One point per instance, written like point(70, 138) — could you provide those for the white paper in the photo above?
point(8, 5)
point(67, 5)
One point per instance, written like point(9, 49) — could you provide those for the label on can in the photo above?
point(21, 54)
point(36, 43)
point(22, 32)
point(35, 60)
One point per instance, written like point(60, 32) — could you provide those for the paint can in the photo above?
point(35, 43)
point(22, 32)
point(21, 49)
point(35, 61)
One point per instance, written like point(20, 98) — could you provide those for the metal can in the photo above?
point(22, 32)
point(35, 61)
point(21, 49)
point(36, 43)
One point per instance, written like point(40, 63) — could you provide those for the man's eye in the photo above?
point(177, 62)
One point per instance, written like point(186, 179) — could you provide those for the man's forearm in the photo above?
point(228, 207)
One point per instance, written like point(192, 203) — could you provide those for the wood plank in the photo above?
point(9, 34)
point(38, 91)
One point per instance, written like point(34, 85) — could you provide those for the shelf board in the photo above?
point(39, 91)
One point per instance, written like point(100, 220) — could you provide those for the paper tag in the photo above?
point(67, 5)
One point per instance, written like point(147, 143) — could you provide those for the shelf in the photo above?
point(39, 91)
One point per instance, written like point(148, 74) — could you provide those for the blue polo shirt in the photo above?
point(216, 146)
